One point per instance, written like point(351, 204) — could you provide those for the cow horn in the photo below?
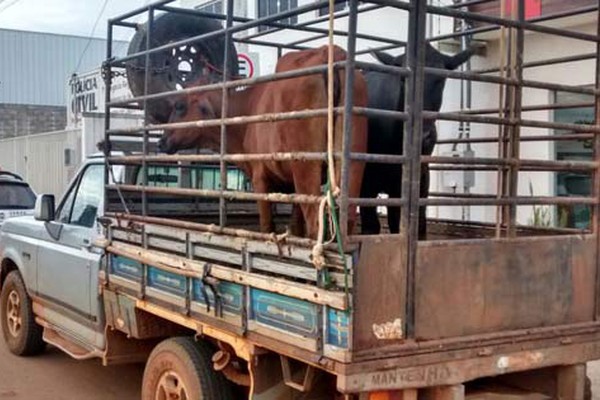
point(383, 57)
point(453, 62)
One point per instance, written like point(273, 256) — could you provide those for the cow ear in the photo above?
point(384, 58)
point(453, 62)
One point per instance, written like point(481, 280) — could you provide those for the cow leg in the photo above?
point(368, 215)
point(265, 211)
point(297, 222)
point(307, 180)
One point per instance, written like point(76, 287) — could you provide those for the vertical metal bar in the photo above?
point(515, 130)
point(411, 175)
point(147, 67)
point(596, 174)
point(224, 111)
point(107, 86)
point(348, 104)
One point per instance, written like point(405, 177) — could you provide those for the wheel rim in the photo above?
point(13, 313)
point(171, 387)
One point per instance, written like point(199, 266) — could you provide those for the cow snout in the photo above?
point(164, 144)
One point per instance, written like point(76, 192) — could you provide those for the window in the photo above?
point(159, 176)
point(272, 7)
point(209, 177)
point(81, 207)
point(573, 184)
point(215, 7)
point(339, 6)
point(16, 196)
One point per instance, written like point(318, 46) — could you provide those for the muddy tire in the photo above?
point(22, 334)
point(181, 369)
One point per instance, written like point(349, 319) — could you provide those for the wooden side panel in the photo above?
point(380, 292)
point(497, 285)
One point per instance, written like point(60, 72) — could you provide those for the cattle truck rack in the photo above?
point(387, 316)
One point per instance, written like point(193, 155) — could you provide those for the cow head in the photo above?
point(434, 85)
point(194, 107)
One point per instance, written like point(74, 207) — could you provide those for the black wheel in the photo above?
point(22, 334)
point(181, 369)
point(179, 67)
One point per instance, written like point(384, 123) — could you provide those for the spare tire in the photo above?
point(179, 67)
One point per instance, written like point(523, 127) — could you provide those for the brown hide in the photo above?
point(302, 135)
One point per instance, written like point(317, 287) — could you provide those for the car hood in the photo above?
point(20, 225)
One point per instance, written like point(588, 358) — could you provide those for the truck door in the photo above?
point(67, 264)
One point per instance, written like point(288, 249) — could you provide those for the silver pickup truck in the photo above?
point(50, 266)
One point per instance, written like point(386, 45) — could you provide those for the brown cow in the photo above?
point(300, 135)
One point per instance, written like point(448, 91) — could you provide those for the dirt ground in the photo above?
point(55, 376)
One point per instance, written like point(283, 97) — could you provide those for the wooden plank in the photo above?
point(570, 382)
point(464, 370)
point(166, 244)
point(194, 268)
point(485, 286)
point(380, 295)
point(453, 392)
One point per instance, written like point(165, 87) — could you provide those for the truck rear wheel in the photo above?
point(22, 334)
point(181, 369)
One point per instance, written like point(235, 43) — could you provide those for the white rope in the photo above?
point(318, 257)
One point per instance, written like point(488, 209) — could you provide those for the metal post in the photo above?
point(224, 111)
point(596, 174)
point(515, 110)
point(107, 86)
point(348, 114)
point(411, 174)
point(148, 68)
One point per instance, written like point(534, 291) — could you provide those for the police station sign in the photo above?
point(85, 94)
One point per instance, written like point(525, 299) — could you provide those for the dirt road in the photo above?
point(55, 376)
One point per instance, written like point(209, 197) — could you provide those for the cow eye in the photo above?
point(204, 110)
point(180, 108)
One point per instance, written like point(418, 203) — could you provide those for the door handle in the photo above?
point(87, 244)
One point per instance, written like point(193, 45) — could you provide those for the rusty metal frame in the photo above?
point(511, 121)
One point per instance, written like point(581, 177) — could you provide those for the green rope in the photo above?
point(339, 242)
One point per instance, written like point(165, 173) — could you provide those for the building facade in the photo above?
point(34, 67)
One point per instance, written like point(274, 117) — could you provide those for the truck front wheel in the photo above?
point(22, 334)
point(181, 369)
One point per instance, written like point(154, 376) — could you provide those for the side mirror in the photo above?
point(44, 208)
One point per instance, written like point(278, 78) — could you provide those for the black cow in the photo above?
point(386, 91)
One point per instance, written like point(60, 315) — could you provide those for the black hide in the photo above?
point(386, 135)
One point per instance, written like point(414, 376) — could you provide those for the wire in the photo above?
point(91, 37)
point(9, 5)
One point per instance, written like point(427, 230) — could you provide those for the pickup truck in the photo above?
point(478, 311)
point(50, 264)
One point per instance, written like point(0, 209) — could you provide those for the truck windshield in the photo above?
point(16, 196)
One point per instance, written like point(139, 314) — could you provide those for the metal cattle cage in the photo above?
point(427, 312)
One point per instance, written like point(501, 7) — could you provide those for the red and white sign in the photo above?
point(248, 64)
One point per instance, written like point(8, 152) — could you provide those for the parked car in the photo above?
point(17, 199)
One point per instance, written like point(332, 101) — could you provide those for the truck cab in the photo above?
point(53, 255)
point(54, 265)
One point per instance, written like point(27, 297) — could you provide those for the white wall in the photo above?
point(537, 47)
point(39, 159)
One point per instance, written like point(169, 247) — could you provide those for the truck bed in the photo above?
point(481, 307)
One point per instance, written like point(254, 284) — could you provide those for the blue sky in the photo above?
point(75, 17)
